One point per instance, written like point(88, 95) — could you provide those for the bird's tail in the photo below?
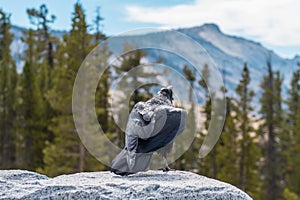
point(120, 164)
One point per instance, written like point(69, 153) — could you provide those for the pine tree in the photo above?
point(8, 82)
point(227, 158)
point(291, 147)
point(40, 19)
point(43, 48)
point(29, 129)
point(191, 77)
point(98, 24)
point(102, 93)
point(188, 161)
point(204, 82)
point(102, 104)
point(32, 128)
point(208, 165)
point(67, 145)
point(272, 118)
point(248, 150)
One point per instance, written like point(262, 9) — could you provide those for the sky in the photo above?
point(272, 23)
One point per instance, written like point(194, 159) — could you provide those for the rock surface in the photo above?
point(21, 184)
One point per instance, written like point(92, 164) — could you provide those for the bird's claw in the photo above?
point(167, 169)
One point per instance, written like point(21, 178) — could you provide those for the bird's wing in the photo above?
point(172, 127)
point(137, 129)
point(137, 126)
point(156, 123)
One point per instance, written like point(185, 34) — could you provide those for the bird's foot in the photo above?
point(167, 169)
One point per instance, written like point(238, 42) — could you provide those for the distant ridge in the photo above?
point(228, 52)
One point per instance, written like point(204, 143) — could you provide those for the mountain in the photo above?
point(229, 53)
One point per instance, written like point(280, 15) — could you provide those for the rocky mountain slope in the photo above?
point(229, 53)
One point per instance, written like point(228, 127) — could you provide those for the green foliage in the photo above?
point(288, 195)
point(228, 147)
point(208, 165)
point(248, 151)
point(189, 160)
point(33, 109)
point(29, 128)
point(67, 145)
point(235, 158)
point(271, 130)
point(8, 82)
point(102, 105)
point(40, 19)
point(189, 74)
point(40, 56)
point(98, 24)
point(291, 148)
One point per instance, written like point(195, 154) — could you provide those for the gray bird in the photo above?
point(152, 127)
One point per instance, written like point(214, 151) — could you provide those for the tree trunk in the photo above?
point(81, 157)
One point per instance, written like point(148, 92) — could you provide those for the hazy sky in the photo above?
point(272, 23)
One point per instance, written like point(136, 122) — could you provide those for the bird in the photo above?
point(152, 127)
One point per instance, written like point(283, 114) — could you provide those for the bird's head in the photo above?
point(168, 92)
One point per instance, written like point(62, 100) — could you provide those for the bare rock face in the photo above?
point(21, 184)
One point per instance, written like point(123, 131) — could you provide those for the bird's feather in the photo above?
point(152, 126)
